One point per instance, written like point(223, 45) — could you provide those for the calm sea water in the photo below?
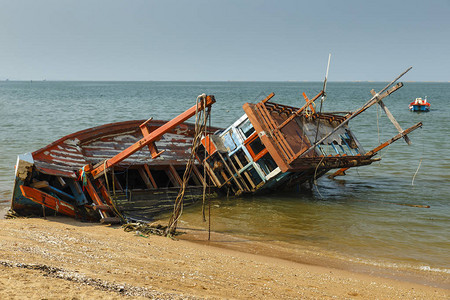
point(359, 217)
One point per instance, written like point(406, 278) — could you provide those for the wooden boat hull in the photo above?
point(138, 183)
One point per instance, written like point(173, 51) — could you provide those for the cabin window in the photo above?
point(267, 164)
point(239, 159)
point(256, 146)
point(247, 128)
point(229, 140)
point(254, 176)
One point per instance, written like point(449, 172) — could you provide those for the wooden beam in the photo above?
point(374, 151)
point(299, 111)
point(268, 98)
point(198, 174)
point(145, 178)
point(391, 118)
point(375, 99)
point(149, 174)
point(176, 180)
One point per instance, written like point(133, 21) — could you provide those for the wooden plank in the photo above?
point(95, 197)
point(212, 175)
point(145, 178)
point(39, 184)
point(149, 174)
point(61, 181)
point(151, 147)
point(173, 175)
point(234, 175)
point(268, 98)
point(198, 174)
point(48, 201)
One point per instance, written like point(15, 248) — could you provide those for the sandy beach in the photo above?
point(60, 258)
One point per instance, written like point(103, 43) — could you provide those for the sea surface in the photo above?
point(374, 216)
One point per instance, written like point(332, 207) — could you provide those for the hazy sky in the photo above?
point(224, 40)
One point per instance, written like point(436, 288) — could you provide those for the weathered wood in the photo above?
point(341, 171)
point(234, 175)
point(39, 184)
point(150, 176)
point(61, 181)
point(198, 174)
point(145, 178)
point(391, 118)
point(245, 173)
point(268, 98)
point(102, 207)
point(151, 138)
point(299, 111)
point(173, 175)
point(371, 102)
point(110, 220)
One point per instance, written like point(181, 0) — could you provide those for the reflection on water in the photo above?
point(363, 216)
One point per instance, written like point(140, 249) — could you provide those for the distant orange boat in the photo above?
point(420, 105)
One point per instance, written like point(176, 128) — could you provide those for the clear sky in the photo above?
point(224, 40)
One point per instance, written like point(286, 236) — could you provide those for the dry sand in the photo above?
point(60, 258)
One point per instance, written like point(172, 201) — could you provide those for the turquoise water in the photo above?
point(358, 217)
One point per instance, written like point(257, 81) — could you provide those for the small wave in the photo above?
point(400, 266)
point(428, 268)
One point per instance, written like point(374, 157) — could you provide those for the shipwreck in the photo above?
point(136, 169)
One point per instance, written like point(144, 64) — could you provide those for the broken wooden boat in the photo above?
point(144, 162)
point(134, 169)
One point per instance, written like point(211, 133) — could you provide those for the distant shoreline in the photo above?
point(219, 81)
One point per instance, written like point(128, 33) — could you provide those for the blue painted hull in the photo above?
point(420, 108)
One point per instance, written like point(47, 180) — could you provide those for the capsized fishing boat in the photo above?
point(128, 170)
point(420, 105)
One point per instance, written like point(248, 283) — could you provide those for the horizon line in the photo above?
point(287, 81)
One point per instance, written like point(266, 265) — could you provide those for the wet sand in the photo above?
point(60, 258)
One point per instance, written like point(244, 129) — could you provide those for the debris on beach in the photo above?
point(127, 171)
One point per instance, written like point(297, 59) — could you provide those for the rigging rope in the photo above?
point(200, 123)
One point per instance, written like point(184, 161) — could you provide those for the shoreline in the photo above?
point(310, 257)
point(92, 260)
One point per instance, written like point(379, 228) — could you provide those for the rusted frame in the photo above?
point(151, 137)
